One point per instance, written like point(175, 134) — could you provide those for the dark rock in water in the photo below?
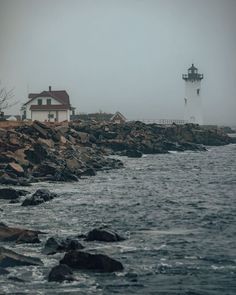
point(10, 258)
point(8, 180)
point(103, 235)
point(15, 279)
point(11, 194)
point(88, 172)
point(11, 234)
point(60, 273)
point(15, 201)
point(55, 244)
point(28, 237)
point(40, 196)
point(3, 271)
point(96, 262)
point(133, 154)
point(193, 147)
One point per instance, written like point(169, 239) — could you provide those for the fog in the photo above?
point(126, 55)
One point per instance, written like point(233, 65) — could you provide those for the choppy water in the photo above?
point(178, 212)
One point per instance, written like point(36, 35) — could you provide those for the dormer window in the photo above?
point(40, 102)
point(49, 101)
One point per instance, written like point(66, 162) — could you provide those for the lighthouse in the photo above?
point(192, 100)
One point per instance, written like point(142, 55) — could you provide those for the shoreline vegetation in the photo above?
point(36, 151)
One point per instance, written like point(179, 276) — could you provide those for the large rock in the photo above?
point(10, 258)
point(15, 169)
point(55, 244)
point(95, 262)
point(3, 271)
point(11, 194)
point(39, 197)
point(103, 235)
point(19, 235)
point(133, 153)
point(41, 128)
point(60, 273)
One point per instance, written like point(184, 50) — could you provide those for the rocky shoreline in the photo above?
point(40, 152)
point(66, 152)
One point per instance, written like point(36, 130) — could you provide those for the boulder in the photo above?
point(15, 168)
point(19, 235)
point(87, 172)
point(39, 197)
point(55, 244)
point(11, 194)
point(95, 262)
point(10, 258)
point(133, 153)
point(37, 153)
point(60, 273)
point(103, 235)
point(41, 128)
point(9, 180)
point(3, 271)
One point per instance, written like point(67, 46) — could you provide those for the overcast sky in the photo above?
point(125, 55)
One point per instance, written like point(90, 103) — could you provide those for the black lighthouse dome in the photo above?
point(193, 74)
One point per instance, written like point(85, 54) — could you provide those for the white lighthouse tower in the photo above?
point(192, 100)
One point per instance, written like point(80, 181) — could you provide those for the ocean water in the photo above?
point(177, 212)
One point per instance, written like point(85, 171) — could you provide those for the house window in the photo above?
point(40, 102)
point(49, 101)
point(50, 116)
point(198, 91)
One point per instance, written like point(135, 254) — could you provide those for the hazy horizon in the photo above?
point(126, 55)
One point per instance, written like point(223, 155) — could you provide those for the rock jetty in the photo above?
point(38, 151)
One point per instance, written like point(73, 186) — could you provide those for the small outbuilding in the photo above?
point(118, 118)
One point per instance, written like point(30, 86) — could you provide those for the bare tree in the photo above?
point(6, 99)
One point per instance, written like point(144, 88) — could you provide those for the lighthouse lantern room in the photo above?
point(192, 100)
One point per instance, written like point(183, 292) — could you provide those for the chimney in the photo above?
point(50, 88)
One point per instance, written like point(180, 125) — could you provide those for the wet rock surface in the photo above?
point(61, 273)
point(12, 234)
point(39, 197)
point(11, 194)
point(9, 258)
point(56, 244)
point(65, 152)
point(103, 235)
point(95, 262)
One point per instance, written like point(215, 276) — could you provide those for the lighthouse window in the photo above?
point(198, 91)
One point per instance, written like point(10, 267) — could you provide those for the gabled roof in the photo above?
point(118, 114)
point(60, 95)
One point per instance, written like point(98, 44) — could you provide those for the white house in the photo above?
point(50, 106)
